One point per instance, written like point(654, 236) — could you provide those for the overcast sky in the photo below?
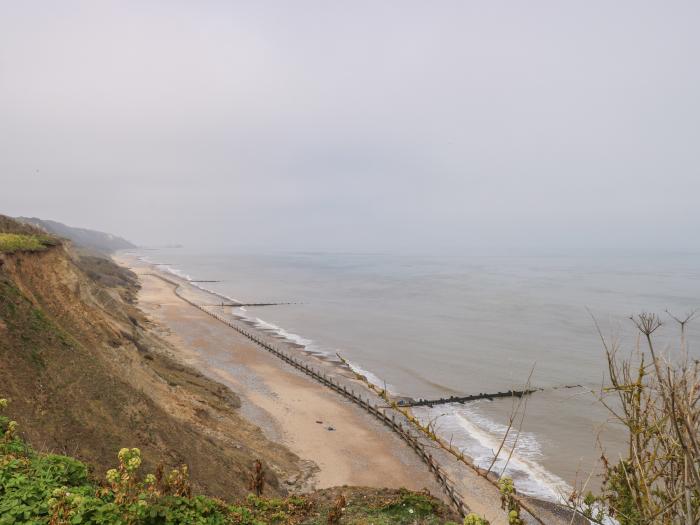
point(456, 127)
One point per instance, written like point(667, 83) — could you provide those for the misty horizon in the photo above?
point(455, 128)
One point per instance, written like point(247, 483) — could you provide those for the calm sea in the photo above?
point(438, 326)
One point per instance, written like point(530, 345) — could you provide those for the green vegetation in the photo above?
point(509, 501)
point(28, 325)
point(50, 489)
point(19, 242)
point(474, 519)
point(655, 396)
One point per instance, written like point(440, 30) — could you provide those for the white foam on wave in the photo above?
point(241, 312)
point(479, 438)
point(309, 346)
point(179, 273)
point(182, 275)
point(281, 332)
point(372, 378)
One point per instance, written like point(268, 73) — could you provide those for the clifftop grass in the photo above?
point(18, 242)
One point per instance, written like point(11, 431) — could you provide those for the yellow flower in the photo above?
point(112, 475)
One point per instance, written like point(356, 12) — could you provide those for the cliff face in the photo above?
point(86, 376)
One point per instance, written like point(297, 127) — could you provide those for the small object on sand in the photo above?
point(330, 429)
point(319, 422)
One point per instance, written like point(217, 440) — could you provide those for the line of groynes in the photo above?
point(403, 431)
point(448, 486)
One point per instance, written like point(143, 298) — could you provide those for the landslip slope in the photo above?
point(85, 377)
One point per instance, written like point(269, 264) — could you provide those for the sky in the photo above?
point(455, 127)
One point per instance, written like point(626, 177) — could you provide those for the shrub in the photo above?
point(48, 489)
point(475, 519)
point(16, 242)
point(657, 400)
point(509, 502)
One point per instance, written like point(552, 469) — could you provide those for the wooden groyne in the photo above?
point(455, 399)
point(223, 297)
point(403, 431)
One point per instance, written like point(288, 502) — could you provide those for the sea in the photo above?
point(437, 326)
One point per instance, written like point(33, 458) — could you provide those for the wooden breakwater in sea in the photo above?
point(456, 399)
point(401, 430)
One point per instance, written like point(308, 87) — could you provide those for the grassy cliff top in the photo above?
point(21, 242)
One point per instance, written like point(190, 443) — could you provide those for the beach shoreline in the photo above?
point(338, 442)
point(342, 445)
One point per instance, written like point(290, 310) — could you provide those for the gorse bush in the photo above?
point(49, 489)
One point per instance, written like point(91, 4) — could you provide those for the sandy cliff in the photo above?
point(86, 376)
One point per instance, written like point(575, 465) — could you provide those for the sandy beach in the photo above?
point(344, 445)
